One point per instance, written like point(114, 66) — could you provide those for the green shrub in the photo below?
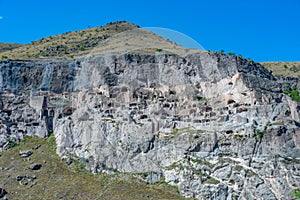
point(4, 57)
point(294, 94)
point(259, 134)
point(51, 141)
point(12, 144)
point(159, 50)
point(296, 193)
point(81, 48)
point(79, 166)
point(200, 99)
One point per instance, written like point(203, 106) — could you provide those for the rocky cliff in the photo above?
point(216, 126)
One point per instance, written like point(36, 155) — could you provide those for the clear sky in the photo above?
point(263, 30)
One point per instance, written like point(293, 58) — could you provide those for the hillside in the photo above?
point(283, 68)
point(68, 44)
point(58, 180)
point(8, 46)
point(118, 37)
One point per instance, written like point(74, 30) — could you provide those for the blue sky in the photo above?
point(257, 29)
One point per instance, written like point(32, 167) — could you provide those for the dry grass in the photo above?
point(55, 180)
point(8, 46)
point(114, 38)
point(138, 41)
point(68, 44)
point(283, 68)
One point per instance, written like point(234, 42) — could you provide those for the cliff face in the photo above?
point(216, 126)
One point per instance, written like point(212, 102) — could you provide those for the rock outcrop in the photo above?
point(216, 126)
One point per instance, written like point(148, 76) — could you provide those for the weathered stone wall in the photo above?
point(217, 126)
point(135, 71)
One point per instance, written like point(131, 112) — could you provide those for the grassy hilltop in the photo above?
point(67, 44)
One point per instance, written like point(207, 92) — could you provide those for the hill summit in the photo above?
point(68, 44)
point(120, 36)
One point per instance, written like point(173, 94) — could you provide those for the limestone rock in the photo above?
point(2, 192)
point(25, 153)
point(35, 166)
point(216, 126)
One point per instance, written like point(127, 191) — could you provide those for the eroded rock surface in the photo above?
point(216, 126)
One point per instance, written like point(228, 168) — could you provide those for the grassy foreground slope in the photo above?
point(56, 180)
